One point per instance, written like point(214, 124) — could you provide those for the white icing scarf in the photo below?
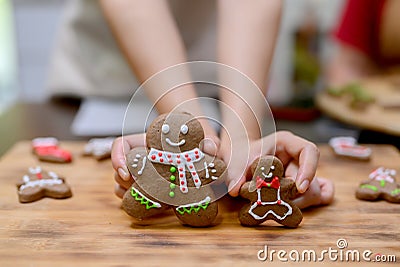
point(181, 161)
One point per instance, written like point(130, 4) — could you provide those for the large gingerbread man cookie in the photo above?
point(269, 194)
point(173, 172)
point(380, 185)
point(39, 184)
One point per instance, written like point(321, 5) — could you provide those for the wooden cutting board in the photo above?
point(90, 229)
point(383, 115)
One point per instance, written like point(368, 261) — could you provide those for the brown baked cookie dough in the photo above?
point(380, 185)
point(39, 184)
point(173, 172)
point(269, 194)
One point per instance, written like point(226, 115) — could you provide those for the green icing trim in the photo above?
point(395, 192)
point(194, 207)
point(143, 200)
point(373, 188)
point(382, 182)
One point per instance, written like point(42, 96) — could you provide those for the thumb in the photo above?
point(210, 145)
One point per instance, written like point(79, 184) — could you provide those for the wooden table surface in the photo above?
point(90, 229)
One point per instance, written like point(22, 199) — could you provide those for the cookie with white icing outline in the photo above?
point(47, 149)
point(39, 184)
point(269, 194)
point(380, 185)
point(347, 146)
point(173, 172)
point(99, 148)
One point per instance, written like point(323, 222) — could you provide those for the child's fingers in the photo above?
point(327, 190)
point(118, 157)
point(121, 146)
point(123, 183)
point(210, 145)
point(302, 150)
point(312, 197)
point(235, 185)
point(119, 191)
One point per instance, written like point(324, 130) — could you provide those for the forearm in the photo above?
point(149, 38)
point(247, 34)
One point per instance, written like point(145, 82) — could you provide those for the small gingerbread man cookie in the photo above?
point(269, 194)
point(38, 184)
point(381, 185)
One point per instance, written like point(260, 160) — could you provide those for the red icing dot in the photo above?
point(169, 155)
point(196, 152)
point(39, 175)
point(159, 154)
point(188, 159)
point(181, 175)
point(193, 173)
point(196, 181)
point(197, 156)
point(178, 156)
point(258, 202)
point(178, 161)
point(170, 161)
point(183, 189)
point(153, 157)
point(161, 160)
point(180, 169)
point(186, 155)
point(191, 167)
point(279, 202)
point(182, 183)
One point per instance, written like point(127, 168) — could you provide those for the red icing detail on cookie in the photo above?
point(196, 181)
point(169, 156)
point(181, 175)
point(39, 175)
point(178, 161)
point(182, 182)
point(196, 152)
point(159, 154)
point(53, 151)
point(197, 156)
point(194, 173)
point(153, 157)
point(178, 156)
point(188, 159)
point(181, 169)
point(191, 167)
point(279, 201)
point(258, 202)
point(161, 160)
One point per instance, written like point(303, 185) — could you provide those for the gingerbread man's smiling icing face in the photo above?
point(266, 170)
point(175, 133)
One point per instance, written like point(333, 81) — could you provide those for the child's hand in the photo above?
point(290, 149)
point(121, 146)
point(320, 192)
